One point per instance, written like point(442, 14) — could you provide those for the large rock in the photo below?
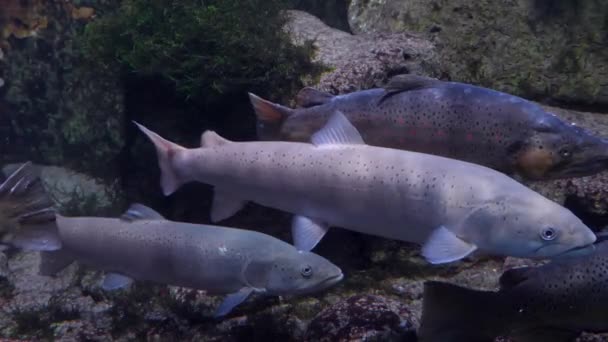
point(533, 48)
point(361, 61)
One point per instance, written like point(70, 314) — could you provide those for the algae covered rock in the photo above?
point(554, 49)
point(360, 61)
point(55, 108)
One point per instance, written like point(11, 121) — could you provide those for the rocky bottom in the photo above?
point(379, 301)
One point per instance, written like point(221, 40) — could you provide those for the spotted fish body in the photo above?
point(449, 206)
point(554, 302)
point(144, 246)
point(450, 119)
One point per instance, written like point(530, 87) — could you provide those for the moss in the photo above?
point(57, 105)
point(208, 51)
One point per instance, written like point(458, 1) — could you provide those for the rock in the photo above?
point(364, 318)
point(553, 49)
point(361, 61)
point(55, 107)
point(75, 193)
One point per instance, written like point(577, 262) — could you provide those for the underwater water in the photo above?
point(276, 170)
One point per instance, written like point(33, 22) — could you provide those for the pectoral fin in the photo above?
point(115, 281)
point(231, 301)
point(443, 246)
point(225, 205)
point(307, 232)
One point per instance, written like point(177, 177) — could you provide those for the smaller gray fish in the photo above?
point(554, 302)
point(145, 246)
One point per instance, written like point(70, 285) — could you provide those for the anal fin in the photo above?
point(225, 205)
point(307, 232)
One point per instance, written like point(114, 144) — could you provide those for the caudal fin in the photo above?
point(452, 313)
point(27, 214)
point(166, 152)
point(270, 117)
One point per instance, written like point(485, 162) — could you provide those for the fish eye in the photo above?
point(306, 271)
point(565, 153)
point(548, 234)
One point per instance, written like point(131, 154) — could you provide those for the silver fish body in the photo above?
point(142, 245)
point(408, 196)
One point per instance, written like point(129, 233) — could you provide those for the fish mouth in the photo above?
point(329, 282)
point(583, 168)
point(575, 251)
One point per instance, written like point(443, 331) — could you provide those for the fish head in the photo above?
point(558, 149)
point(528, 225)
point(301, 273)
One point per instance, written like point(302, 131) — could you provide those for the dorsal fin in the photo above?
point(139, 211)
point(310, 97)
point(337, 131)
point(514, 276)
point(407, 82)
point(210, 138)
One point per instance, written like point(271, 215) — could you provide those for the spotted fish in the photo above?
point(551, 303)
point(450, 119)
point(142, 245)
point(450, 207)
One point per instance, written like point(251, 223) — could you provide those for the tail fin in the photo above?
point(454, 313)
point(166, 151)
point(27, 215)
point(270, 117)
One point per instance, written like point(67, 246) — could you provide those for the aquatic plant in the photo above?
point(207, 49)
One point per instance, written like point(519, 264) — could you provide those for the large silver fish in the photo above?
point(451, 207)
point(550, 303)
point(142, 245)
point(450, 119)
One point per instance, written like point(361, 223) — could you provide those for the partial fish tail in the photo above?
point(452, 313)
point(270, 117)
point(27, 213)
point(166, 152)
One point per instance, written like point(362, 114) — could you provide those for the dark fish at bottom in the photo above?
point(450, 119)
point(554, 302)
